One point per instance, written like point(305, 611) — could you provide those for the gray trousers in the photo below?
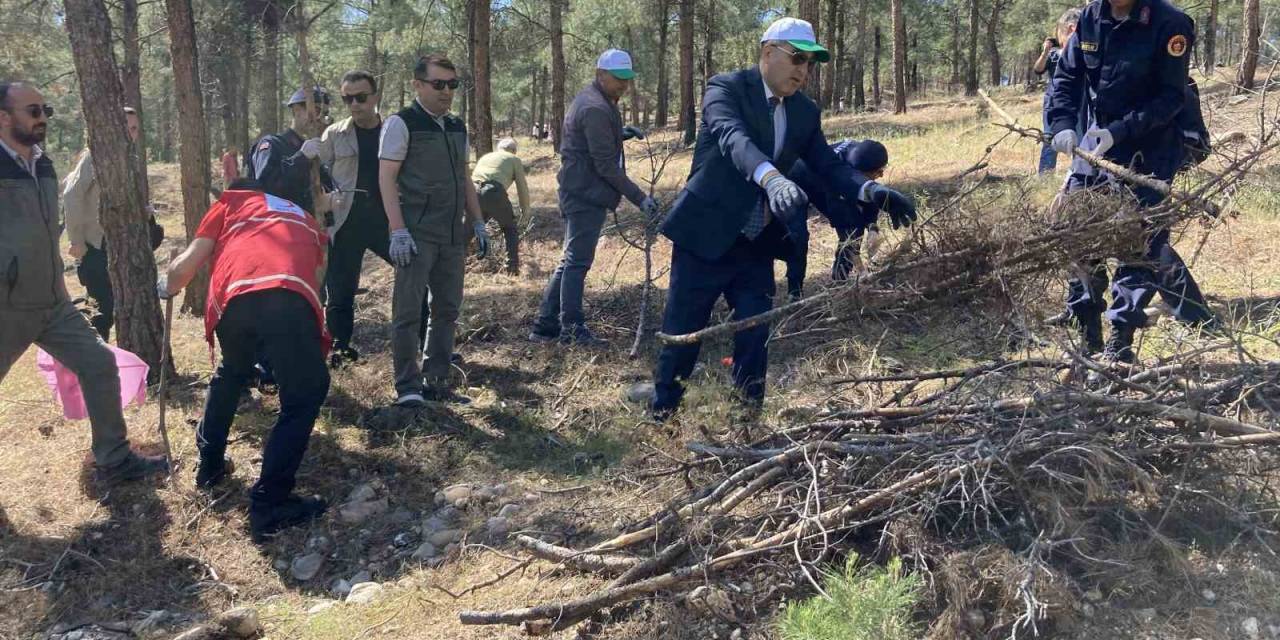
point(65, 334)
point(436, 273)
point(562, 300)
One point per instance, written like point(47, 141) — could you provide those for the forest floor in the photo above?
point(548, 431)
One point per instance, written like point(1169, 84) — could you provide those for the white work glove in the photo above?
point(649, 207)
point(403, 248)
point(1065, 141)
point(162, 288)
point(482, 239)
point(1099, 140)
point(311, 148)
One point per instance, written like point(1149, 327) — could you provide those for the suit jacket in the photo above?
point(735, 137)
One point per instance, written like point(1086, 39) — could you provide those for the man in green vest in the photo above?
point(429, 198)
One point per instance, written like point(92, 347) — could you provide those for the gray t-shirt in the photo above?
point(394, 144)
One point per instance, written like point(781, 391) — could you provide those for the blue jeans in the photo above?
point(562, 300)
point(744, 276)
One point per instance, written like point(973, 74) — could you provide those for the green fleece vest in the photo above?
point(30, 264)
point(433, 177)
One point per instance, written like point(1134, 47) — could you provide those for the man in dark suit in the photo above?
point(728, 225)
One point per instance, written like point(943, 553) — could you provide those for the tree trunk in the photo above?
point(956, 47)
point(557, 72)
point(635, 86)
point(709, 34)
point(193, 145)
point(860, 58)
point(664, 81)
point(1210, 37)
point(129, 258)
point(993, 42)
point(482, 135)
point(533, 100)
point(875, 68)
point(811, 11)
point(971, 69)
point(166, 118)
point(131, 77)
point(268, 108)
point(1249, 46)
point(839, 53)
point(833, 38)
point(686, 69)
point(543, 90)
point(899, 58)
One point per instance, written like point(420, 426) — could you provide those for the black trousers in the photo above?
point(282, 325)
point(96, 281)
point(365, 229)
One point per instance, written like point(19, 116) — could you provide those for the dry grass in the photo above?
point(543, 418)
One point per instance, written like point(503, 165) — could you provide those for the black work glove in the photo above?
point(629, 132)
point(901, 209)
point(785, 197)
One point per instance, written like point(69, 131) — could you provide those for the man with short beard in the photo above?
point(34, 306)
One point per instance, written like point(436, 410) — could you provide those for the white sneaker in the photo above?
point(411, 400)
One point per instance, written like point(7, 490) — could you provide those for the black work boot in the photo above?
point(1090, 329)
point(134, 467)
point(210, 474)
point(1120, 345)
point(266, 519)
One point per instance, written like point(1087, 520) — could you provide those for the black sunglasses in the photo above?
point(359, 97)
point(36, 110)
point(798, 58)
point(439, 85)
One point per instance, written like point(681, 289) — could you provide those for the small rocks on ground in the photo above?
point(444, 537)
point(358, 512)
point(509, 511)
point(364, 593)
point(340, 588)
point(305, 567)
point(1250, 628)
point(361, 576)
point(241, 622)
point(425, 551)
point(497, 527)
point(321, 607)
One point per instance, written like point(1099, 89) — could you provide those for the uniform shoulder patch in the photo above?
point(1177, 45)
point(1088, 46)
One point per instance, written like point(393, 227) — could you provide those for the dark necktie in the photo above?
point(760, 214)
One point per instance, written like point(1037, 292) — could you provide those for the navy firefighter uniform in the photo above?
point(724, 235)
point(1134, 72)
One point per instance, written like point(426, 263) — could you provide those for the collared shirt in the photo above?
point(394, 144)
point(36, 154)
point(779, 133)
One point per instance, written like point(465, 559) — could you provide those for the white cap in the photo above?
point(799, 34)
point(616, 62)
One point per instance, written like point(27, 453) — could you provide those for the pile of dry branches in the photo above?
point(1015, 455)
point(1011, 485)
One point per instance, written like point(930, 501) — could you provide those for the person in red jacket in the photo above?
point(268, 261)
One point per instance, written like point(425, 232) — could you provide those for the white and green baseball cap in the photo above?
point(618, 63)
point(797, 33)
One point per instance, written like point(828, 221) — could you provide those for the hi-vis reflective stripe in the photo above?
point(277, 276)
point(276, 219)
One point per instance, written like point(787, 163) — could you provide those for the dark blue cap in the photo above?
point(867, 155)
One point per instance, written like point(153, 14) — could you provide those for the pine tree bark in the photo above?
point(1249, 50)
point(860, 58)
point(193, 143)
point(481, 68)
point(811, 12)
point(131, 78)
point(557, 71)
point(875, 68)
point(956, 47)
point(993, 42)
point(833, 40)
point(971, 69)
point(686, 69)
point(899, 57)
point(664, 78)
point(1210, 37)
point(267, 111)
point(129, 258)
point(709, 43)
point(543, 90)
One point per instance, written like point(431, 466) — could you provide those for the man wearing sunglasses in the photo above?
point(34, 306)
point(430, 203)
point(593, 180)
point(349, 149)
point(729, 223)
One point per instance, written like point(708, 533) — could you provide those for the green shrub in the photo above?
point(867, 602)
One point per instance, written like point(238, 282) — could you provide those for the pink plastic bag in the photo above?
point(66, 387)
